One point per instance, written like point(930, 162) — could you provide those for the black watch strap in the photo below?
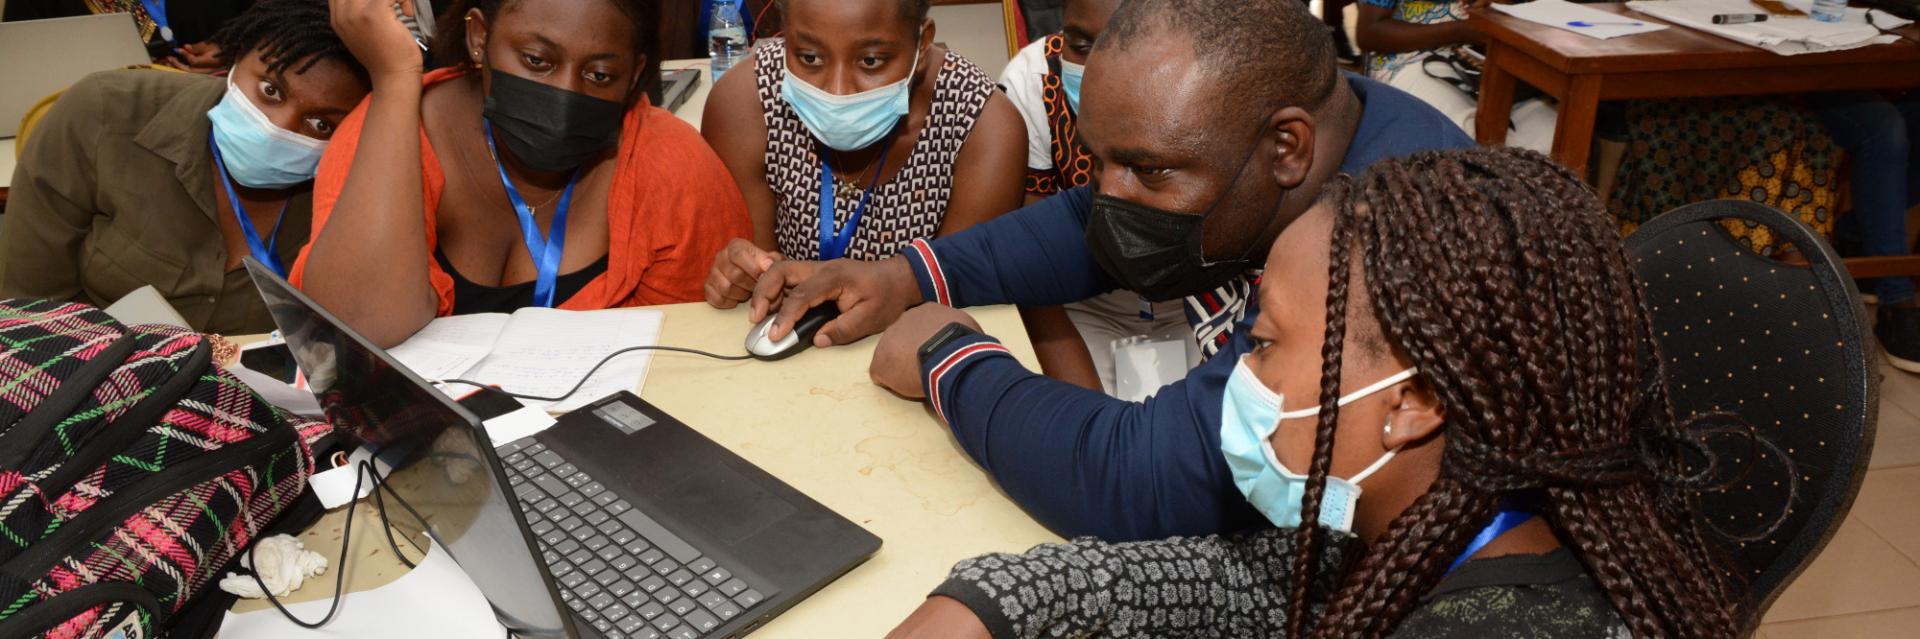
point(947, 335)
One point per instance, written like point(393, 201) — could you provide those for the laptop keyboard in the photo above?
point(617, 568)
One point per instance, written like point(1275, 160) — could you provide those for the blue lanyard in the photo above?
point(1503, 522)
point(262, 252)
point(834, 241)
point(546, 252)
point(157, 11)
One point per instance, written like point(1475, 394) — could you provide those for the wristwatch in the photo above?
point(947, 335)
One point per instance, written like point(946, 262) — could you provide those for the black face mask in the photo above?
point(1158, 253)
point(549, 128)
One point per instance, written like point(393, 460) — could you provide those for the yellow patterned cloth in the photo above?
point(1767, 150)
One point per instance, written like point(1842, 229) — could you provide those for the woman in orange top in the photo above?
point(533, 173)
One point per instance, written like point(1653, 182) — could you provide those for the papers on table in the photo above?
point(145, 305)
point(1784, 35)
point(536, 351)
point(1586, 21)
point(432, 601)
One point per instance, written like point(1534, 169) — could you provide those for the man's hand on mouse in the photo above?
point(871, 296)
point(896, 361)
point(735, 270)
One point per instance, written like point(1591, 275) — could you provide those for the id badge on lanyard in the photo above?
point(834, 241)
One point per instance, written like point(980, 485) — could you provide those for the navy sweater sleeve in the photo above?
point(1083, 463)
point(1035, 256)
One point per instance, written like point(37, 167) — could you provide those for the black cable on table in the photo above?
point(362, 471)
point(596, 368)
point(339, 573)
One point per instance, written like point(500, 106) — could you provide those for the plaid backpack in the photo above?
point(132, 470)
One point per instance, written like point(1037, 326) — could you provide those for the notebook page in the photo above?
point(545, 352)
point(450, 346)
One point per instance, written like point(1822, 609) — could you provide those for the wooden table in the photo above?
point(1674, 63)
point(818, 423)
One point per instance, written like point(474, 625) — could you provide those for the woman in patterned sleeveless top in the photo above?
point(855, 136)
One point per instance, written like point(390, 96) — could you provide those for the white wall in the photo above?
point(977, 31)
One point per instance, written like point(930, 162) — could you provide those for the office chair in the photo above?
point(1786, 348)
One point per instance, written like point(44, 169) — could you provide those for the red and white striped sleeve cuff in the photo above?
point(934, 277)
point(950, 363)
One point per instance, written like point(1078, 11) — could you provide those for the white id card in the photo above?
point(1144, 363)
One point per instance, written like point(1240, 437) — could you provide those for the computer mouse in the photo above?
point(799, 339)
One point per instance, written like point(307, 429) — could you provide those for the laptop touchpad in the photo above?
point(726, 504)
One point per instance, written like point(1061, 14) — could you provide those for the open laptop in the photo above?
point(618, 522)
point(40, 57)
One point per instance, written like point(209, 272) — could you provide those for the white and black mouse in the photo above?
point(799, 339)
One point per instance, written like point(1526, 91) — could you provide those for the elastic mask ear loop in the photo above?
point(1354, 396)
point(1378, 463)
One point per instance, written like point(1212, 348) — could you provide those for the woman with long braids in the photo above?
point(1446, 420)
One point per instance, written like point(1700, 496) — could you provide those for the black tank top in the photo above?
point(470, 298)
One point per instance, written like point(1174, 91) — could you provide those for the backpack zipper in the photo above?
point(116, 435)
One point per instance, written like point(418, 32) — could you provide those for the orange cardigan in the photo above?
point(672, 207)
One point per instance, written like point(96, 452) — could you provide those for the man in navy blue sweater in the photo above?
point(1213, 125)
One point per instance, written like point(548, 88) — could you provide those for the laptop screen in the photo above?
point(445, 475)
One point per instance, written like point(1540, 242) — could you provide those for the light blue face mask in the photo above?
point(1249, 415)
point(1070, 75)
point(856, 121)
point(257, 153)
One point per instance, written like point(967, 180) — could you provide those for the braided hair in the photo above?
point(1500, 275)
point(286, 33)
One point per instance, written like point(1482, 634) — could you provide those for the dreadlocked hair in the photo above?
point(286, 33)
point(1500, 275)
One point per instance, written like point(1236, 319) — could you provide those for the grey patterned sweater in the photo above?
point(1236, 586)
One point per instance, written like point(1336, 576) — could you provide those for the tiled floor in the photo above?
point(1867, 582)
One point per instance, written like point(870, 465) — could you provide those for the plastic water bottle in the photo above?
point(1829, 10)
point(726, 36)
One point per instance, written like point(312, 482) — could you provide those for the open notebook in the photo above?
point(536, 351)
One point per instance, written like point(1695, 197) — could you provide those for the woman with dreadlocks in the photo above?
point(152, 178)
point(1460, 337)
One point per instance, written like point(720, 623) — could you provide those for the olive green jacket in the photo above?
point(115, 190)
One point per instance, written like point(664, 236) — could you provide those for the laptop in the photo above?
point(44, 56)
point(619, 521)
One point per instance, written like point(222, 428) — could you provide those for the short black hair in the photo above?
point(1269, 54)
point(912, 12)
point(286, 33)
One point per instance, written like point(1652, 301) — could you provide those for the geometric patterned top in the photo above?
point(909, 205)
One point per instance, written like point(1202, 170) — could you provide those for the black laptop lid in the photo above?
point(445, 472)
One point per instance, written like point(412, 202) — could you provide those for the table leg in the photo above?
point(1573, 134)
point(1495, 111)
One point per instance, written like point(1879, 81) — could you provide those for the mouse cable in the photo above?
point(361, 472)
point(596, 368)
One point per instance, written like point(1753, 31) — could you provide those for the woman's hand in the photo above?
point(735, 272)
point(377, 38)
point(197, 57)
point(941, 618)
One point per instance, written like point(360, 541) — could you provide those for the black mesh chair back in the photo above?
point(1783, 346)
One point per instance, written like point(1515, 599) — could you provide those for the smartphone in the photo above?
point(274, 361)
point(488, 403)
